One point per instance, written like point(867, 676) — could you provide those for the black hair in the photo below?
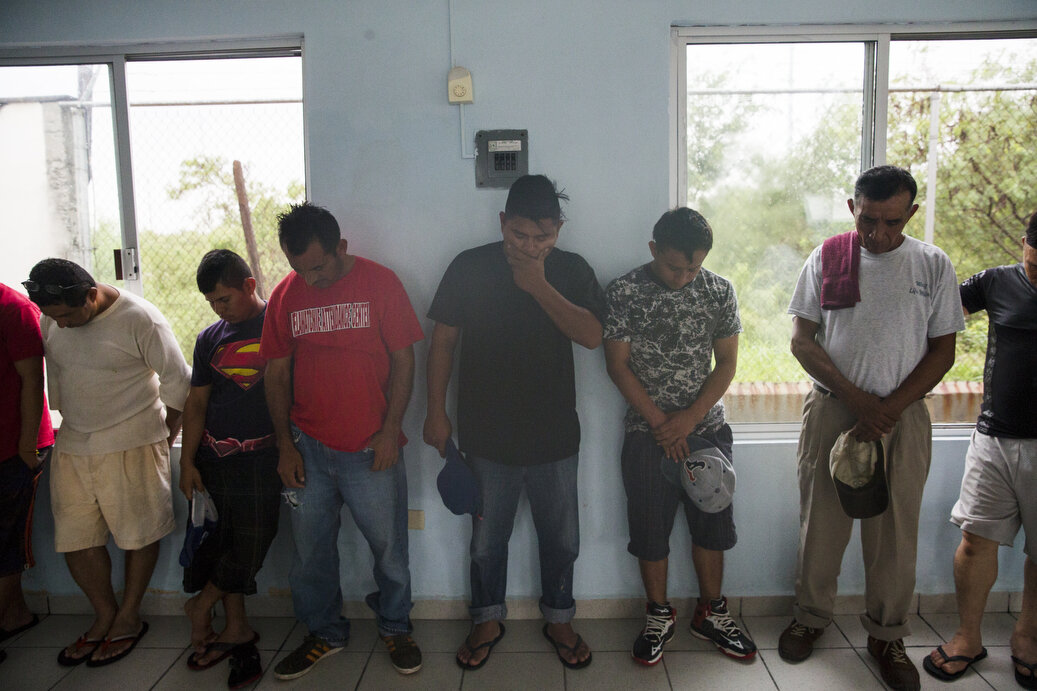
point(303, 223)
point(684, 230)
point(222, 266)
point(535, 197)
point(882, 182)
point(75, 281)
point(1031, 231)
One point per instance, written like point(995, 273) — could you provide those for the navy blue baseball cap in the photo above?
point(457, 484)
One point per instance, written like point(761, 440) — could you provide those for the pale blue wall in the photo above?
point(590, 81)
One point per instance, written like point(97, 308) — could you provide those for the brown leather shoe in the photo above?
point(897, 669)
point(797, 642)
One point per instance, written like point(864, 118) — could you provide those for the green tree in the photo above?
point(169, 260)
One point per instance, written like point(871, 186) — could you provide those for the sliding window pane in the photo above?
point(773, 136)
point(58, 192)
point(963, 117)
point(192, 122)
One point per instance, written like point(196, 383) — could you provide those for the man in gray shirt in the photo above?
point(873, 355)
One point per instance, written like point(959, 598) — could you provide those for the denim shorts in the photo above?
point(652, 501)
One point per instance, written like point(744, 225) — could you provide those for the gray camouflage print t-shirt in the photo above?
point(671, 335)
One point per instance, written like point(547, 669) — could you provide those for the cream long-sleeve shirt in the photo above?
point(113, 377)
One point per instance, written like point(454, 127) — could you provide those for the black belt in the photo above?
point(823, 391)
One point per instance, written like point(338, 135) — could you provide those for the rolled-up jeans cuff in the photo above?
point(481, 615)
point(393, 628)
point(557, 616)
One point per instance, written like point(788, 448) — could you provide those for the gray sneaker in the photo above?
point(302, 659)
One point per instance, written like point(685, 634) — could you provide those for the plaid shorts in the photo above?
point(652, 500)
point(247, 492)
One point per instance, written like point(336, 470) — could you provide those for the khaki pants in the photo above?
point(889, 540)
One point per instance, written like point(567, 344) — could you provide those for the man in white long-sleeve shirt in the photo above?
point(118, 377)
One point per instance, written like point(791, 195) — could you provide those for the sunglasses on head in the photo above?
point(51, 289)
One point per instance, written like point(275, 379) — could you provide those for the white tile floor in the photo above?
point(523, 660)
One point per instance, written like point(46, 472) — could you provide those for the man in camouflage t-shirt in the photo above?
point(666, 321)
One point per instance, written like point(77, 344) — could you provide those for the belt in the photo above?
point(231, 446)
point(823, 391)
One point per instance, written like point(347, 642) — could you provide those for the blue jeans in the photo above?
point(378, 503)
point(553, 502)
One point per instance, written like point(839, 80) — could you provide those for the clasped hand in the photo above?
point(876, 417)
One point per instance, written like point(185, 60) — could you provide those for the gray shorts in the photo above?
point(997, 490)
point(652, 501)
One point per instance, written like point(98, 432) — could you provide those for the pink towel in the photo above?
point(840, 271)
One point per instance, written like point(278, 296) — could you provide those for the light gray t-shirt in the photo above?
point(908, 295)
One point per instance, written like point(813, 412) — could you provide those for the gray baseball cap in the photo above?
point(706, 475)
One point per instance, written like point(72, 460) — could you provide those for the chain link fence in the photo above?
point(187, 201)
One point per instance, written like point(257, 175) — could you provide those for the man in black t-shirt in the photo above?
point(516, 306)
point(1000, 480)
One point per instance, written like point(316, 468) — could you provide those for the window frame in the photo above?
point(116, 57)
point(877, 39)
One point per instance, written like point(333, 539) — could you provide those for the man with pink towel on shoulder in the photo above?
point(875, 314)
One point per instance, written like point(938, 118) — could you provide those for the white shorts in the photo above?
point(998, 490)
point(126, 493)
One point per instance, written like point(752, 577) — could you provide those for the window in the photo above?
point(158, 156)
point(773, 128)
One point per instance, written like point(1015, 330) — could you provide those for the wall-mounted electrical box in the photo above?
point(501, 157)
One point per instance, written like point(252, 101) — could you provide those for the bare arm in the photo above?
point(30, 371)
point(386, 442)
point(277, 382)
point(194, 426)
point(173, 417)
point(439, 367)
point(617, 363)
point(926, 374)
point(577, 323)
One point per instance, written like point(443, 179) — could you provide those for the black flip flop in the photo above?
point(559, 646)
point(937, 671)
point(5, 634)
point(135, 637)
point(66, 660)
point(225, 649)
point(487, 644)
point(1028, 681)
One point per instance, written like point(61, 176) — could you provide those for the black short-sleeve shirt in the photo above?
point(1010, 373)
point(517, 391)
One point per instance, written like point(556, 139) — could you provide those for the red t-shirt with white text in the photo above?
point(341, 338)
point(19, 339)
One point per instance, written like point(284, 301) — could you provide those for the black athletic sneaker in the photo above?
point(658, 630)
point(713, 623)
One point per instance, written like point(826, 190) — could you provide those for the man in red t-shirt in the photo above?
point(339, 343)
point(24, 432)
